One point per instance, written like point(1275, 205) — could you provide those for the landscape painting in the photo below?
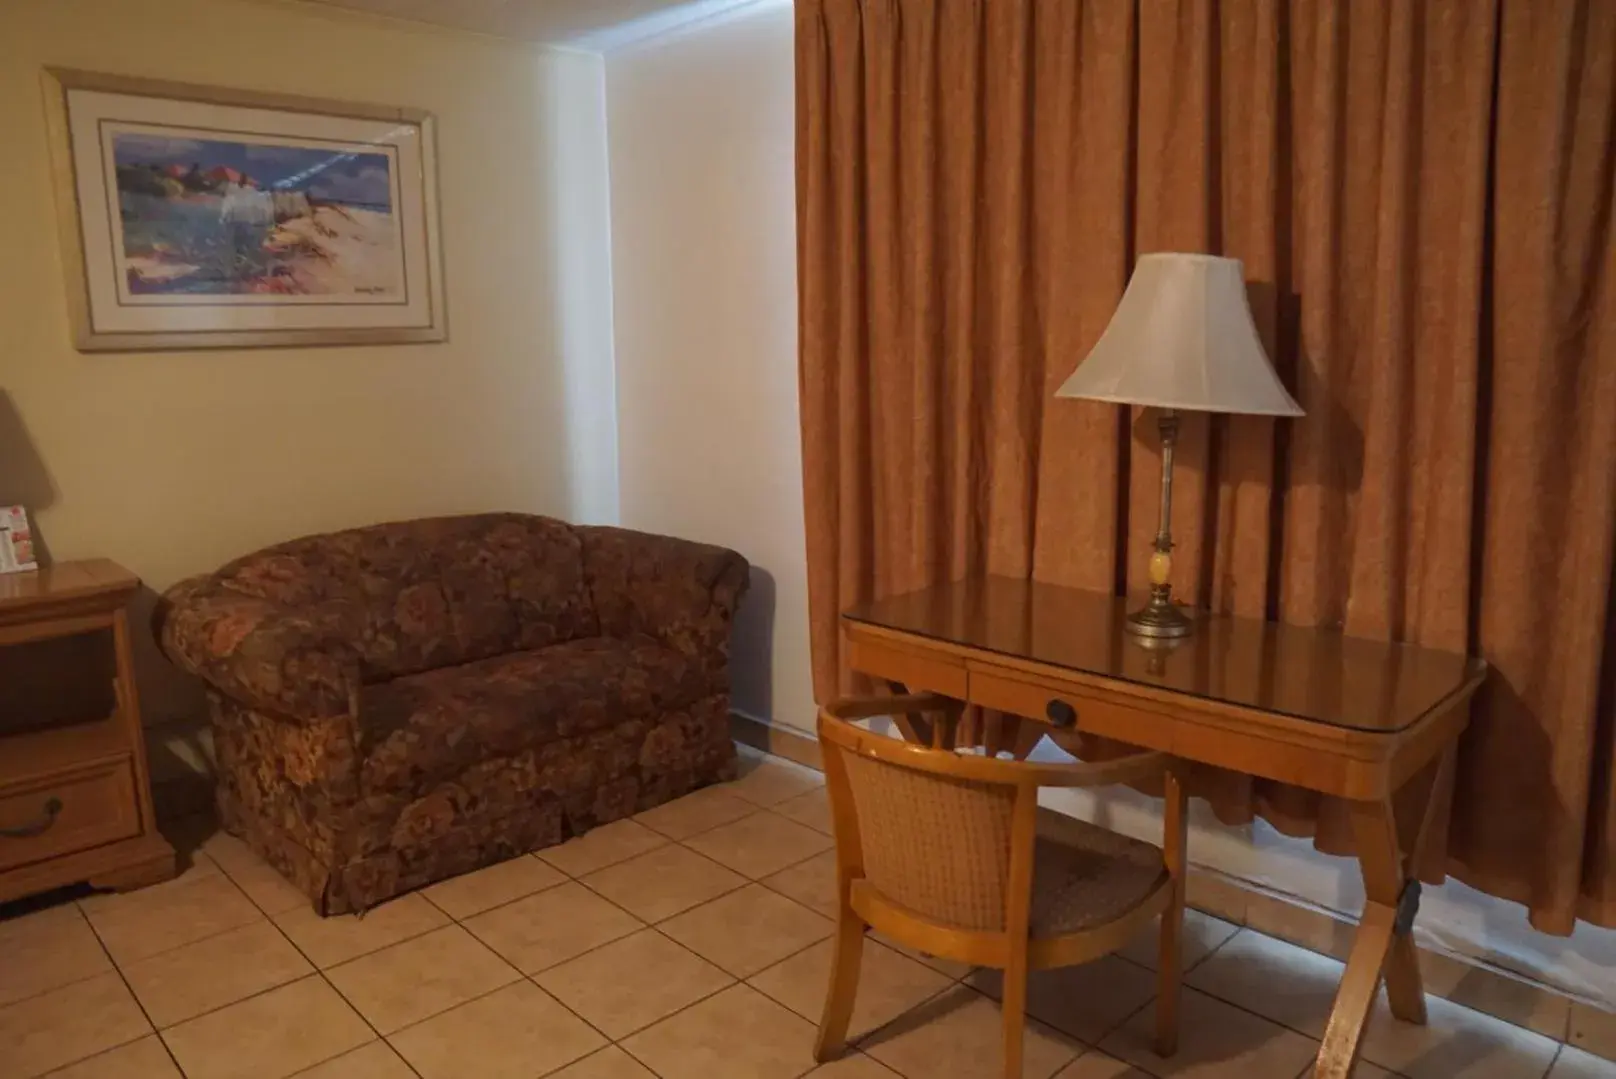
point(214, 217)
point(206, 217)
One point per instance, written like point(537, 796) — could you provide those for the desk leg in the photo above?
point(1384, 945)
point(912, 725)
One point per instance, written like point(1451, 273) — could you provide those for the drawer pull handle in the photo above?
point(1061, 714)
point(47, 817)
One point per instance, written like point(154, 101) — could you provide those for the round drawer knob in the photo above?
point(1061, 714)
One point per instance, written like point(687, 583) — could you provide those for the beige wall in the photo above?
point(173, 462)
point(705, 318)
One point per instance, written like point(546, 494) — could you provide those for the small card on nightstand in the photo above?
point(16, 541)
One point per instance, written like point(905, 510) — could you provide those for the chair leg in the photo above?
point(1170, 959)
point(1015, 1013)
point(844, 973)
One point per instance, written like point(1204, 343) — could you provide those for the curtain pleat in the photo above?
point(1421, 192)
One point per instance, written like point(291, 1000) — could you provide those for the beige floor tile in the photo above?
point(1216, 1041)
point(47, 949)
point(1497, 994)
point(135, 925)
point(272, 1035)
point(889, 985)
point(736, 1034)
point(697, 812)
point(631, 983)
point(950, 967)
point(852, 1065)
point(329, 941)
point(145, 1059)
point(1593, 1030)
point(258, 880)
point(1096, 1065)
point(811, 809)
point(492, 886)
point(663, 882)
point(610, 1063)
point(811, 883)
point(196, 978)
point(556, 925)
point(1573, 1063)
point(408, 982)
point(600, 847)
point(748, 930)
point(759, 845)
point(1455, 1041)
point(1087, 1001)
point(1296, 987)
point(513, 1033)
point(68, 1024)
point(374, 1061)
point(960, 1035)
point(1203, 934)
point(768, 781)
point(1291, 985)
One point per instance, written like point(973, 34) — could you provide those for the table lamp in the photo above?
point(1182, 338)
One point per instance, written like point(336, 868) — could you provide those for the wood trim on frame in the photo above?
point(57, 81)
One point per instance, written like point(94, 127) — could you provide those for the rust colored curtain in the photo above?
point(1421, 191)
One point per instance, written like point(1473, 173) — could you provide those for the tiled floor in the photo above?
point(690, 943)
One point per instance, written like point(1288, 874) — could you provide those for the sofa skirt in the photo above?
point(348, 849)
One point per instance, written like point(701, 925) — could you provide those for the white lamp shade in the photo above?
point(1183, 338)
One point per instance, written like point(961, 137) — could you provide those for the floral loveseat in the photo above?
point(398, 704)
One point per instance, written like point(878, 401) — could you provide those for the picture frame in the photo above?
point(203, 217)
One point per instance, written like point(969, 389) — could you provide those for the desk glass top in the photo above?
point(1317, 675)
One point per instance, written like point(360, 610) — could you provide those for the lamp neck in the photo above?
point(1167, 424)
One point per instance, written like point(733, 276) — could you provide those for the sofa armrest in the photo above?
point(683, 593)
point(275, 659)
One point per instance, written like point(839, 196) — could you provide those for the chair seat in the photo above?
point(1088, 876)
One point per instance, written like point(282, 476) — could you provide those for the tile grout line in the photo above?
point(1378, 996)
point(155, 1031)
point(319, 973)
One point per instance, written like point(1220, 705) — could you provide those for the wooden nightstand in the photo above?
point(75, 800)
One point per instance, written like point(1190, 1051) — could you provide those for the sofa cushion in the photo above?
point(421, 729)
point(415, 595)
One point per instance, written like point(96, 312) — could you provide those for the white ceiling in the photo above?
point(597, 24)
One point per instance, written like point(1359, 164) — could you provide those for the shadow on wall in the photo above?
point(24, 480)
point(167, 694)
point(752, 649)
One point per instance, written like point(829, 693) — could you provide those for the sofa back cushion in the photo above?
point(417, 595)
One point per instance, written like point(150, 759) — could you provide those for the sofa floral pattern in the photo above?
point(398, 704)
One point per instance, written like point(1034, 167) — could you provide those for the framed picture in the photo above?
point(197, 217)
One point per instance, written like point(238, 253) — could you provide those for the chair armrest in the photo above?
point(291, 663)
point(683, 593)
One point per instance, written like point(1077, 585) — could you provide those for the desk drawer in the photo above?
point(1032, 697)
point(918, 673)
point(69, 812)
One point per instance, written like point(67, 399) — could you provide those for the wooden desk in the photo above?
point(75, 801)
point(1372, 722)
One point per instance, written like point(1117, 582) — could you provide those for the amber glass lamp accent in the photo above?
point(1181, 339)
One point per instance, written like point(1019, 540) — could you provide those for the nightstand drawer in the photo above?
point(68, 812)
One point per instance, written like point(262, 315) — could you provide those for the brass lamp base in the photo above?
point(1160, 618)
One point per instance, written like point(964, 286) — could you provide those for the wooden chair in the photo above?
point(940, 851)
